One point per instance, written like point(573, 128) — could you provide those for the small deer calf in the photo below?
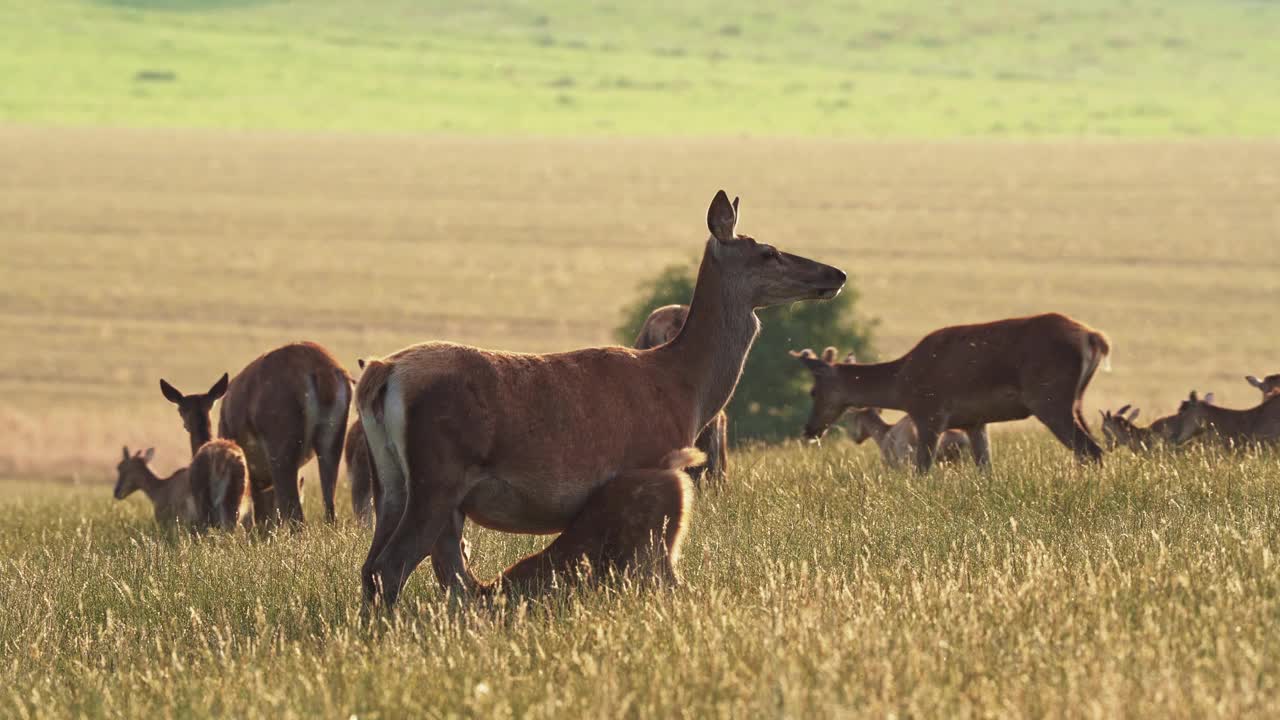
point(212, 492)
point(1269, 385)
point(897, 442)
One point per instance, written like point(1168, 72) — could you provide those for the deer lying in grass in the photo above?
point(284, 408)
point(1119, 428)
point(521, 443)
point(1232, 428)
point(662, 326)
point(966, 376)
point(211, 492)
point(897, 442)
point(1269, 385)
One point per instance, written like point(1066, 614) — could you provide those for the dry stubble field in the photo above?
point(817, 584)
point(131, 255)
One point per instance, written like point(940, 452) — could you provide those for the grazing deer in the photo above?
point(897, 442)
point(661, 327)
point(360, 474)
point(285, 407)
point(1257, 425)
point(1269, 385)
point(966, 376)
point(520, 442)
point(210, 493)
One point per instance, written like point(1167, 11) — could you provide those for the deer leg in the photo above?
point(449, 558)
point(360, 476)
point(284, 478)
point(980, 442)
point(717, 449)
point(260, 489)
point(927, 432)
point(390, 493)
point(1065, 426)
point(328, 448)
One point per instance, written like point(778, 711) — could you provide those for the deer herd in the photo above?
point(601, 446)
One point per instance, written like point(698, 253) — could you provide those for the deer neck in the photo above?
point(712, 347)
point(201, 436)
point(871, 385)
point(151, 485)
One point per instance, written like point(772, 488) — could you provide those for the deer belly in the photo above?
point(1002, 405)
point(504, 504)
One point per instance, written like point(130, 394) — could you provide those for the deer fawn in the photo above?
point(209, 493)
point(284, 408)
point(661, 327)
point(1259, 424)
point(1119, 428)
point(897, 442)
point(522, 443)
point(966, 376)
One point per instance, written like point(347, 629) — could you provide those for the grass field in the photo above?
point(137, 255)
point(817, 585)
point(870, 68)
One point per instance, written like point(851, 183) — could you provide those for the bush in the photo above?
point(772, 399)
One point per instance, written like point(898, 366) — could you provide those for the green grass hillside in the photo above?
point(870, 68)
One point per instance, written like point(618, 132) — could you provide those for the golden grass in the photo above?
point(132, 255)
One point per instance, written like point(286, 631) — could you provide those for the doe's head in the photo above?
point(195, 409)
point(827, 392)
point(130, 471)
point(1118, 428)
point(1269, 385)
point(759, 273)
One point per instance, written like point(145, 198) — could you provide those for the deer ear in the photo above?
point(360, 362)
point(1253, 381)
point(1123, 409)
point(126, 452)
point(722, 218)
point(1192, 397)
point(1134, 415)
point(829, 355)
point(1208, 398)
point(219, 388)
point(170, 392)
point(850, 359)
point(150, 453)
point(811, 361)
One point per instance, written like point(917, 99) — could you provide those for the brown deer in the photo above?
point(1232, 428)
point(897, 442)
point(284, 408)
point(520, 443)
point(1269, 385)
point(1119, 428)
point(209, 493)
point(662, 326)
point(360, 474)
point(633, 523)
point(967, 376)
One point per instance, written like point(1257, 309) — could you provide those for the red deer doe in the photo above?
point(1232, 428)
point(967, 376)
point(522, 443)
point(1269, 385)
point(209, 493)
point(897, 442)
point(285, 407)
point(661, 327)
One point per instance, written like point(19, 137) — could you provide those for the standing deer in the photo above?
point(897, 442)
point(1269, 385)
point(662, 326)
point(521, 443)
point(966, 376)
point(209, 493)
point(284, 408)
point(1259, 424)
